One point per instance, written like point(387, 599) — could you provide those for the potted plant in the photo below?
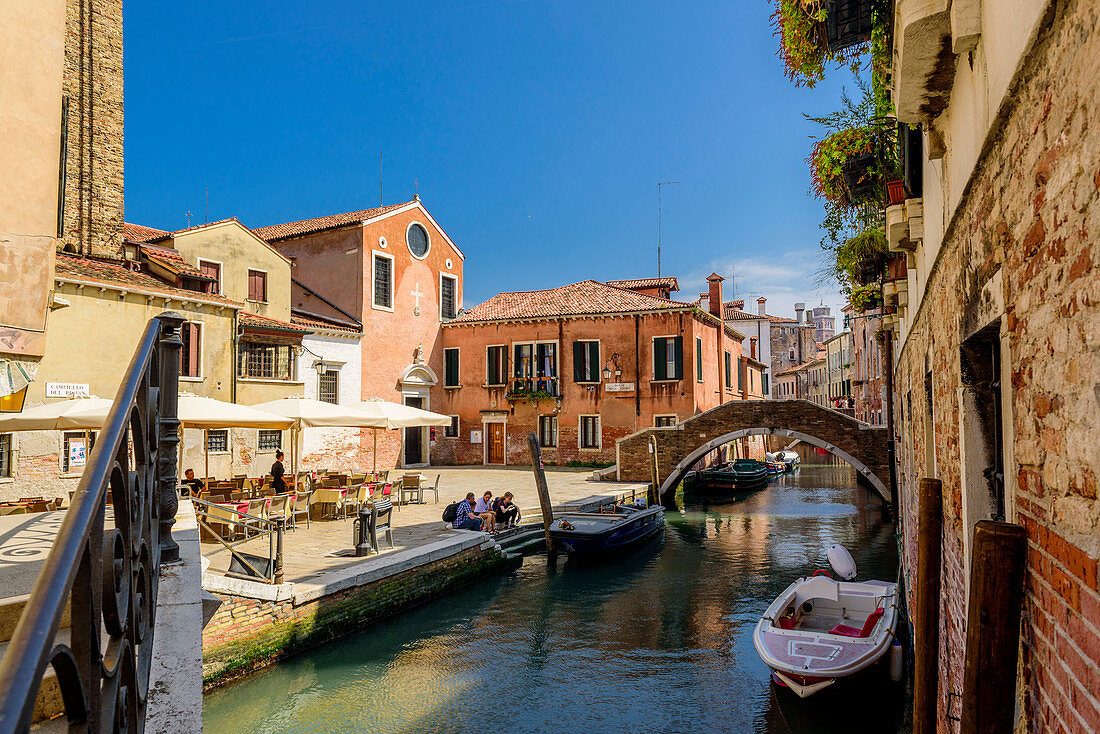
point(862, 259)
point(866, 297)
point(845, 163)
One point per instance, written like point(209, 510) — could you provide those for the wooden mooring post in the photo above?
point(544, 491)
point(655, 494)
point(993, 627)
point(926, 610)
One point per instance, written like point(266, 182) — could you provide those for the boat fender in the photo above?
point(841, 561)
point(822, 572)
point(897, 656)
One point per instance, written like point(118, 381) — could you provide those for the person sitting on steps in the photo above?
point(507, 513)
point(484, 510)
point(465, 518)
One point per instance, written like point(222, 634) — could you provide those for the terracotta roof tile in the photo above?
point(670, 283)
point(736, 314)
point(141, 233)
point(118, 275)
point(589, 297)
point(277, 232)
point(256, 321)
point(317, 323)
point(170, 258)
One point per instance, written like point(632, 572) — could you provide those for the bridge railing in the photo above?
point(105, 566)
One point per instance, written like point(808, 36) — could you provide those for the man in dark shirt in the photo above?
point(277, 472)
point(195, 485)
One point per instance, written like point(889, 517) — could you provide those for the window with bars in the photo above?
point(383, 281)
point(451, 429)
point(448, 297)
point(589, 437)
point(191, 354)
point(496, 359)
point(6, 462)
point(265, 361)
point(664, 421)
point(328, 385)
point(257, 285)
point(73, 439)
point(270, 441)
point(217, 440)
point(548, 431)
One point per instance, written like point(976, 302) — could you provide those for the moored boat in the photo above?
point(790, 458)
point(821, 630)
point(742, 475)
point(589, 533)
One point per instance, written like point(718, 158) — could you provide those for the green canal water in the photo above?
point(657, 641)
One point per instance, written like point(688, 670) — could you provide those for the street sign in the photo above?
point(619, 387)
point(67, 389)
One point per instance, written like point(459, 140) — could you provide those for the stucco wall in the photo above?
point(334, 448)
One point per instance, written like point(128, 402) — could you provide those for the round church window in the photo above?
point(417, 238)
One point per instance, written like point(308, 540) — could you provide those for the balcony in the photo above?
point(533, 389)
point(905, 225)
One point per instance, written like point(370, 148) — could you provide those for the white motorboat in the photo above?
point(821, 630)
point(790, 458)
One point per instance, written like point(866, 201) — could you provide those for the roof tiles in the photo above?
point(588, 297)
point(277, 232)
point(120, 276)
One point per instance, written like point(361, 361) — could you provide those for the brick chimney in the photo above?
point(714, 299)
point(760, 305)
point(798, 309)
point(704, 302)
point(752, 344)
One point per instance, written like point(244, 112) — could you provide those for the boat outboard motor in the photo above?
point(841, 561)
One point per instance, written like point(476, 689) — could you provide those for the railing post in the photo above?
point(278, 576)
point(169, 344)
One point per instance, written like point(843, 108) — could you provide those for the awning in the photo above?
point(16, 374)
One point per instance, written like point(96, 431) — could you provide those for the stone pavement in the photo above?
point(327, 545)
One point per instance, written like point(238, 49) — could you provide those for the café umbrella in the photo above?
point(79, 414)
point(207, 413)
point(396, 415)
point(310, 413)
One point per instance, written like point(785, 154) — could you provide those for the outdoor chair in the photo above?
point(299, 505)
point(354, 499)
point(279, 509)
point(434, 489)
point(257, 509)
point(410, 486)
point(222, 521)
point(381, 476)
point(381, 522)
point(387, 492)
point(238, 496)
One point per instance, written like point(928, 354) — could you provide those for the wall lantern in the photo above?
point(607, 368)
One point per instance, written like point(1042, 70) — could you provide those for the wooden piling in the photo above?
point(926, 610)
point(993, 627)
point(544, 491)
point(655, 494)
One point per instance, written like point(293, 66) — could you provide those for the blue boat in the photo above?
point(591, 533)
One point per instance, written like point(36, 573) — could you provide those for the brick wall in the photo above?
point(93, 85)
point(247, 634)
point(1025, 229)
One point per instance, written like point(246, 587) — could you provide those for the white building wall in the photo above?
point(332, 448)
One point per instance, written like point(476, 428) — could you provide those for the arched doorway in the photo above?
point(416, 383)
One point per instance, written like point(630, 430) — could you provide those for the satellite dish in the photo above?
point(841, 561)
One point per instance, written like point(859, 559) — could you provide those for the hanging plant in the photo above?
point(866, 297)
point(862, 259)
point(836, 152)
point(804, 41)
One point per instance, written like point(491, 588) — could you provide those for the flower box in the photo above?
point(862, 177)
point(895, 192)
point(848, 22)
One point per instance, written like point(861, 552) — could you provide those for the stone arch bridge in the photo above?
point(860, 444)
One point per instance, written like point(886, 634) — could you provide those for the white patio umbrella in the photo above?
point(75, 413)
point(310, 413)
point(397, 415)
point(206, 413)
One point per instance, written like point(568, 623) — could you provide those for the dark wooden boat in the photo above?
point(589, 533)
point(742, 475)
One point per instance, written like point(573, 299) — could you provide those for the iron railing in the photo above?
point(244, 565)
point(107, 576)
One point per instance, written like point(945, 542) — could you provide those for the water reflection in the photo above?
point(658, 641)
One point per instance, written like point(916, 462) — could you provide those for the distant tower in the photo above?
point(824, 322)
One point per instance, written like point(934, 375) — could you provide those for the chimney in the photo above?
point(704, 302)
point(798, 309)
point(760, 305)
point(752, 345)
point(714, 298)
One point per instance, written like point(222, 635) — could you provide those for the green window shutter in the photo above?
point(450, 378)
point(729, 372)
point(659, 351)
point(699, 359)
point(493, 364)
point(740, 377)
point(594, 361)
point(678, 357)
point(578, 362)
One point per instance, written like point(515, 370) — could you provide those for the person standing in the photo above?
point(277, 472)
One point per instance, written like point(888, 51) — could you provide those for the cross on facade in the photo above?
point(417, 295)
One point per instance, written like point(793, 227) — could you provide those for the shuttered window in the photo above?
point(448, 288)
point(214, 271)
point(698, 359)
point(586, 361)
point(257, 285)
point(729, 371)
point(383, 281)
point(450, 373)
point(191, 354)
point(495, 365)
point(668, 358)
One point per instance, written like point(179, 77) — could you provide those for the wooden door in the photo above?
point(414, 443)
point(496, 443)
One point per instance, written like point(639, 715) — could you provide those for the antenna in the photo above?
point(416, 188)
point(206, 212)
point(659, 185)
point(189, 215)
point(381, 202)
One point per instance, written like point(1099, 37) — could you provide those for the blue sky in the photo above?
point(536, 131)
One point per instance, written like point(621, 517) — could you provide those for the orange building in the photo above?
point(582, 366)
point(394, 271)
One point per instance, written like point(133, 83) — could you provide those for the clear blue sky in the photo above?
point(537, 130)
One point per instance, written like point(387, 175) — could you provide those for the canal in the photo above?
point(658, 641)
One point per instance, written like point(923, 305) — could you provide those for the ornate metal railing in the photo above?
point(108, 576)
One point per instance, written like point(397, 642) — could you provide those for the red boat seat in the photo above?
point(785, 623)
point(846, 631)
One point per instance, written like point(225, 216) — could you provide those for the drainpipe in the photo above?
point(637, 372)
point(236, 349)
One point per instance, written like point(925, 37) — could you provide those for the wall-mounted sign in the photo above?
point(66, 389)
point(619, 387)
point(475, 436)
point(78, 452)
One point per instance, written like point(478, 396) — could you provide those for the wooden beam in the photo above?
point(993, 627)
point(544, 491)
point(926, 607)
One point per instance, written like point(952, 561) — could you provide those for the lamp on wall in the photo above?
point(607, 368)
point(320, 365)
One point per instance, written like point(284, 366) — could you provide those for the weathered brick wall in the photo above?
point(247, 634)
point(1031, 211)
point(93, 85)
point(862, 442)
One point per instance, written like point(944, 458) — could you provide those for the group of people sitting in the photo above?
point(486, 513)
